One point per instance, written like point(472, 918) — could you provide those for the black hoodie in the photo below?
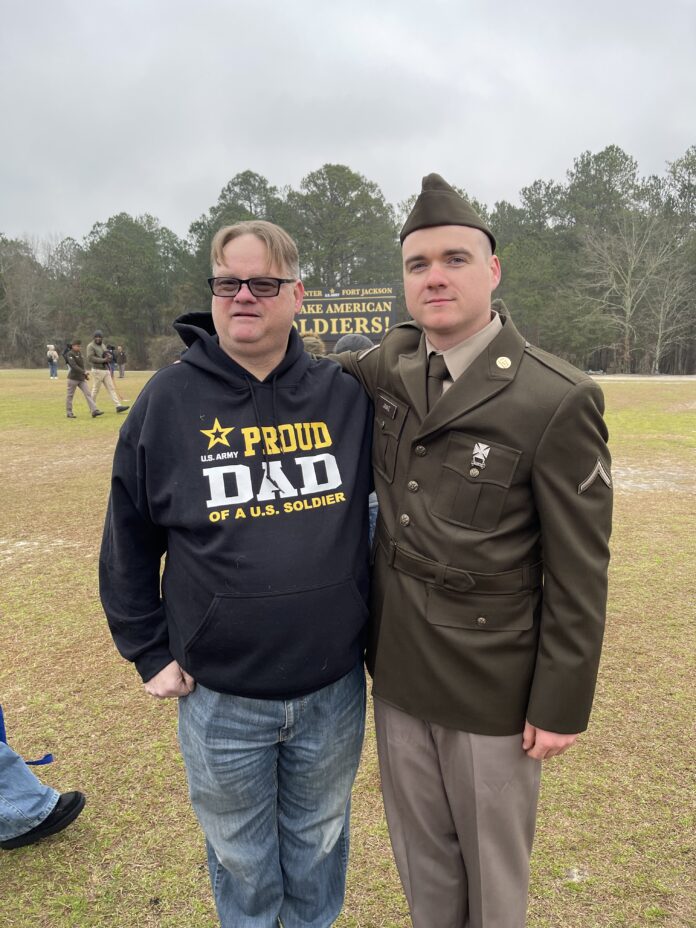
point(256, 492)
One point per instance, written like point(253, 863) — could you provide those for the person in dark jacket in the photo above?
point(77, 380)
point(120, 358)
point(490, 573)
point(247, 464)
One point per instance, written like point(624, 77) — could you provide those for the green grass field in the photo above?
point(615, 836)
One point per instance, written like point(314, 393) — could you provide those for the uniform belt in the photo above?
point(453, 578)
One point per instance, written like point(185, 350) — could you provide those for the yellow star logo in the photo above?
point(217, 435)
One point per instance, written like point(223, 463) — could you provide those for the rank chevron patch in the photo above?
point(599, 470)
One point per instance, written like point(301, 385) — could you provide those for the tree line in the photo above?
point(599, 268)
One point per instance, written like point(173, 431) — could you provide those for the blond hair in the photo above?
point(282, 250)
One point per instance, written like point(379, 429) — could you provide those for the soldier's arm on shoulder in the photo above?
point(360, 364)
point(572, 486)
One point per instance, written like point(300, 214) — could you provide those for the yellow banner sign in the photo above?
point(356, 310)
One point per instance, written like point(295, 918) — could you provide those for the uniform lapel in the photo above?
point(487, 376)
point(412, 370)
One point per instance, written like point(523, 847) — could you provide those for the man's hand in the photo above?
point(171, 681)
point(541, 744)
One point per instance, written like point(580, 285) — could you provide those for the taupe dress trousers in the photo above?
point(461, 810)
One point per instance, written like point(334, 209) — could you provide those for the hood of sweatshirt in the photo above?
point(197, 332)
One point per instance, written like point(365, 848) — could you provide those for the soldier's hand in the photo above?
point(170, 682)
point(541, 744)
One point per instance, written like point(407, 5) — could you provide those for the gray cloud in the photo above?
point(111, 107)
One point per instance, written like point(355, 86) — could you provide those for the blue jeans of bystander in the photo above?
point(270, 783)
point(24, 800)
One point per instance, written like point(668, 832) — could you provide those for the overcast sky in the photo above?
point(153, 105)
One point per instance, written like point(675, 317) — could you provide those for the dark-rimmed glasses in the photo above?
point(258, 286)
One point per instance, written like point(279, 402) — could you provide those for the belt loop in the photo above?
point(526, 577)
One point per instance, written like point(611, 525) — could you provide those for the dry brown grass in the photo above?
point(615, 833)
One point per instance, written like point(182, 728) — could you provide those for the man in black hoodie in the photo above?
point(247, 464)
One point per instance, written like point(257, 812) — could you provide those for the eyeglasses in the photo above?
point(258, 286)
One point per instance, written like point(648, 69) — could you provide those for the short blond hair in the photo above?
point(282, 250)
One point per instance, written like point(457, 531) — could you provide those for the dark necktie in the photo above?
point(437, 371)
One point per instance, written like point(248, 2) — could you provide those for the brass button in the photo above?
point(420, 450)
point(503, 363)
point(481, 620)
point(474, 472)
point(405, 520)
point(413, 486)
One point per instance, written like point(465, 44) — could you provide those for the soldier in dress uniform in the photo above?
point(490, 571)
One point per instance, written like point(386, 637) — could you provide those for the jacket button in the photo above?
point(481, 620)
point(413, 486)
point(420, 450)
point(404, 519)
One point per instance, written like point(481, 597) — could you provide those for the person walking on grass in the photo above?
point(99, 360)
point(77, 380)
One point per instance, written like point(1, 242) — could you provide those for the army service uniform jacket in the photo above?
point(490, 567)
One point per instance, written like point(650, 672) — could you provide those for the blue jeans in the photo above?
point(270, 783)
point(24, 801)
point(53, 369)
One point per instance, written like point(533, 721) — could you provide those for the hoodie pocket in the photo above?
point(274, 645)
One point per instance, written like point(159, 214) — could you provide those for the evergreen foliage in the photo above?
point(599, 269)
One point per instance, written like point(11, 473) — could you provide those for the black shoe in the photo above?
point(71, 415)
point(122, 408)
point(67, 809)
point(97, 412)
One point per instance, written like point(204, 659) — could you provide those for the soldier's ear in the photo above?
point(495, 271)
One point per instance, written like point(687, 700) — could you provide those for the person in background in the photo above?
point(77, 380)
point(120, 357)
point(314, 345)
point(99, 359)
point(354, 341)
point(490, 572)
point(111, 349)
point(29, 810)
point(52, 357)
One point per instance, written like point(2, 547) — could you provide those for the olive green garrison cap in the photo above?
point(438, 204)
